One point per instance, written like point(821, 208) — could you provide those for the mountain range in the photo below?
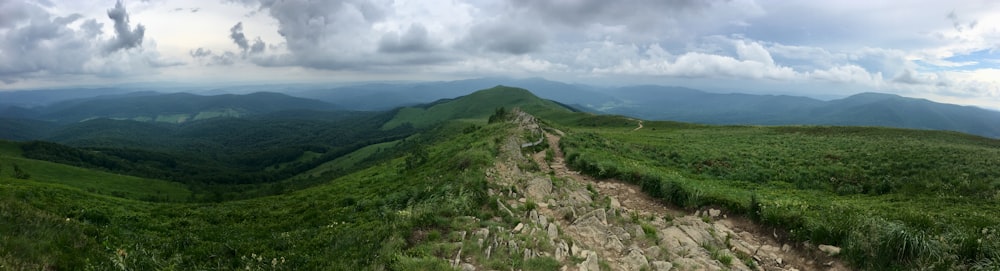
point(646, 102)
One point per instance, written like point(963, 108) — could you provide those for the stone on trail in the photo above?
point(591, 263)
point(615, 204)
point(553, 232)
point(662, 265)
point(635, 260)
point(561, 251)
point(714, 213)
point(829, 250)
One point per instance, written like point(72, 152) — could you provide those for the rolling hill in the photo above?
point(476, 106)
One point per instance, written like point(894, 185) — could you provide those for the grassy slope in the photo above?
point(358, 221)
point(93, 181)
point(892, 198)
point(477, 107)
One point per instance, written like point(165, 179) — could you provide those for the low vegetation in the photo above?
point(894, 199)
point(371, 218)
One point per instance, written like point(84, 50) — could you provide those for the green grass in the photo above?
point(890, 197)
point(173, 118)
point(350, 160)
point(228, 112)
point(93, 181)
point(359, 221)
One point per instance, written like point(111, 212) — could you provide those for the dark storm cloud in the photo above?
point(125, 37)
point(414, 40)
point(14, 12)
point(258, 46)
point(236, 33)
point(37, 42)
point(332, 34)
point(505, 38)
point(626, 12)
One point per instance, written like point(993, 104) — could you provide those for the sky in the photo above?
point(947, 51)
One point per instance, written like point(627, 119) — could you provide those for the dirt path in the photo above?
point(588, 224)
point(742, 236)
point(640, 126)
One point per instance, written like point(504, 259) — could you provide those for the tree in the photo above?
point(20, 174)
point(500, 114)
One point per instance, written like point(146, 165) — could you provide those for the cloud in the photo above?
point(505, 38)
point(258, 46)
point(34, 43)
point(909, 76)
point(125, 37)
point(322, 34)
point(226, 58)
point(414, 40)
point(200, 52)
point(236, 33)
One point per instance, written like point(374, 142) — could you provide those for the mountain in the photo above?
point(173, 107)
point(690, 105)
point(385, 96)
point(865, 109)
point(478, 105)
point(875, 109)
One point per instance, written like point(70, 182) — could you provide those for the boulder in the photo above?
point(538, 188)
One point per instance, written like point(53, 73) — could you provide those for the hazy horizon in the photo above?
point(941, 51)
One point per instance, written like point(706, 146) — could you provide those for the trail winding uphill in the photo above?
point(588, 224)
point(640, 126)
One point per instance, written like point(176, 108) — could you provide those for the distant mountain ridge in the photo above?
point(172, 107)
point(386, 96)
point(644, 101)
point(865, 109)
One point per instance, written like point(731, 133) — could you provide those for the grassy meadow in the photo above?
point(892, 198)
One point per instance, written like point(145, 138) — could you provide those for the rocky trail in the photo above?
point(588, 224)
